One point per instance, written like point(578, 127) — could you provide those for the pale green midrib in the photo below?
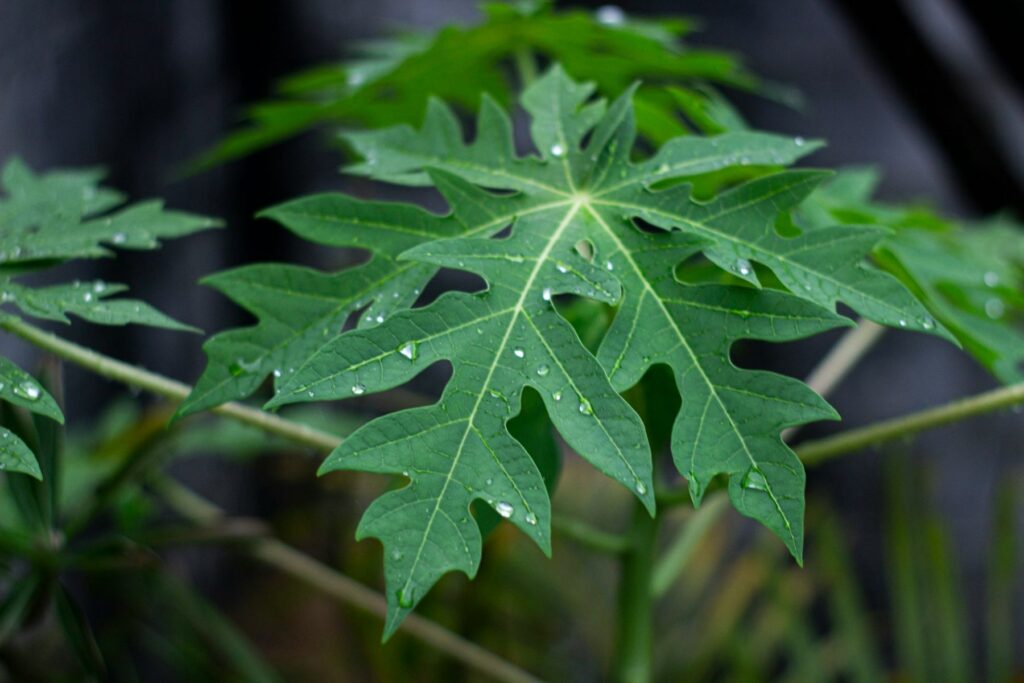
point(431, 161)
point(527, 287)
point(770, 255)
point(566, 151)
point(669, 172)
point(693, 356)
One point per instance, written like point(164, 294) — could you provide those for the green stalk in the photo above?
point(814, 452)
point(110, 368)
point(634, 637)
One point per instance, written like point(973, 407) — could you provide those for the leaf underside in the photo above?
point(572, 213)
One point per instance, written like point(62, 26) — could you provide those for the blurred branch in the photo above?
point(959, 128)
point(318, 575)
point(813, 452)
point(139, 378)
point(838, 362)
point(678, 555)
point(589, 536)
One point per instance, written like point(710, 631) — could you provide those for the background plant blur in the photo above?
point(913, 554)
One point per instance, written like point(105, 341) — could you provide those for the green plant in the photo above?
point(618, 276)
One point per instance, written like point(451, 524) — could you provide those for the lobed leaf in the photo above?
point(46, 220)
point(571, 213)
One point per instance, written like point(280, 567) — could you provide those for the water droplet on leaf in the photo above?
point(358, 389)
point(504, 509)
point(409, 350)
point(543, 370)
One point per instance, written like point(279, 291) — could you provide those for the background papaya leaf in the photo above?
point(46, 220)
point(969, 276)
point(391, 80)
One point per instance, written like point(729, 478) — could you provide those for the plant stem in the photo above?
point(163, 386)
point(838, 362)
point(285, 558)
point(681, 550)
point(634, 637)
point(526, 67)
point(814, 452)
point(591, 537)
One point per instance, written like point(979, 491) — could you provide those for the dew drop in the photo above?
point(991, 279)
point(87, 297)
point(489, 481)
point(504, 509)
point(609, 265)
point(407, 597)
point(557, 395)
point(27, 390)
point(561, 267)
point(519, 352)
point(546, 294)
point(379, 318)
point(277, 372)
point(358, 389)
point(743, 266)
point(994, 308)
point(409, 350)
point(902, 322)
point(755, 480)
point(585, 407)
point(927, 323)
point(543, 370)
point(118, 238)
point(310, 393)
point(641, 488)
point(610, 15)
point(531, 519)
point(798, 141)
point(557, 150)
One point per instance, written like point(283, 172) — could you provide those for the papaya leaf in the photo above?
point(391, 80)
point(570, 213)
point(969, 276)
point(46, 220)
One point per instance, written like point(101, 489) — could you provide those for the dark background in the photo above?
point(918, 88)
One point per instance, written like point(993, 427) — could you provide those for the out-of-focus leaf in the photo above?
point(392, 79)
point(970, 276)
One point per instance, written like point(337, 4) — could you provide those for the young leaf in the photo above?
point(571, 213)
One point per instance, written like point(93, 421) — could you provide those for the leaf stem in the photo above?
point(589, 536)
point(526, 67)
point(814, 452)
point(131, 375)
point(285, 558)
point(634, 620)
